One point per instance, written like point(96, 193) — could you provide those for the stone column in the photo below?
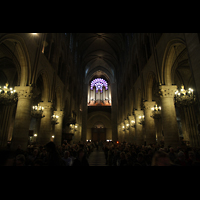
point(158, 129)
point(184, 122)
point(22, 117)
point(122, 132)
point(169, 121)
point(89, 94)
point(149, 123)
point(5, 122)
point(58, 128)
point(114, 111)
point(126, 131)
point(45, 132)
point(191, 124)
point(84, 113)
point(138, 128)
point(131, 130)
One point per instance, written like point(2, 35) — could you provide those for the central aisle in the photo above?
point(97, 158)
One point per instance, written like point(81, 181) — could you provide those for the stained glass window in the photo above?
point(99, 83)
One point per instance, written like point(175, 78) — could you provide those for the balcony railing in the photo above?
point(99, 102)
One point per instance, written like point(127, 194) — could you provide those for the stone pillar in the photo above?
point(138, 128)
point(122, 132)
point(22, 117)
point(45, 132)
point(184, 122)
point(131, 130)
point(5, 123)
point(149, 123)
point(168, 113)
point(191, 124)
point(193, 49)
point(58, 128)
point(114, 111)
point(158, 129)
point(89, 94)
point(126, 131)
point(84, 113)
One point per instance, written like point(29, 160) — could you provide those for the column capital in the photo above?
point(138, 112)
point(131, 117)
point(24, 92)
point(167, 90)
point(149, 104)
point(59, 113)
point(46, 105)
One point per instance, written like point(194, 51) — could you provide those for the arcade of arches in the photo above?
point(142, 88)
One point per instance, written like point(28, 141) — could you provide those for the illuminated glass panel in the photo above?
point(99, 83)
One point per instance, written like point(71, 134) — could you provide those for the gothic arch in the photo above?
point(58, 98)
point(89, 75)
point(99, 116)
point(170, 59)
point(22, 55)
point(138, 99)
point(46, 84)
point(149, 85)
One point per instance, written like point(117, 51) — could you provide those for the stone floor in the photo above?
point(97, 158)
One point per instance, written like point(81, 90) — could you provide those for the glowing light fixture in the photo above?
point(156, 112)
point(184, 97)
point(7, 95)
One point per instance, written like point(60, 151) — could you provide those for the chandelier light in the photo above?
point(141, 120)
point(54, 119)
point(127, 126)
point(7, 95)
point(37, 111)
point(132, 123)
point(184, 97)
point(156, 112)
point(123, 128)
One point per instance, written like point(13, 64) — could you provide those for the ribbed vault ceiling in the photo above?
point(100, 49)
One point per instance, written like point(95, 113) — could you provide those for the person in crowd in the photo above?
point(34, 156)
point(192, 159)
point(7, 157)
point(81, 160)
point(116, 156)
point(53, 157)
point(161, 158)
point(67, 159)
point(38, 162)
point(19, 150)
point(172, 154)
point(122, 161)
point(20, 160)
point(43, 155)
point(180, 159)
point(140, 160)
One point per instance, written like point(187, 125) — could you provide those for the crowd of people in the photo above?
point(116, 154)
point(126, 154)
point(48, 155)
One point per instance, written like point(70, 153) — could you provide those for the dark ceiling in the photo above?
point(100, 49)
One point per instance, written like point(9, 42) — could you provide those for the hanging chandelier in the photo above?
point(141, 120)
point(54, 119)
point(37, 111)
point(7, 95)
point(184, 97)
point(156, 112)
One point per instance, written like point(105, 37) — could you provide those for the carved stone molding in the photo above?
point(25, 92)
point(167, 91)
